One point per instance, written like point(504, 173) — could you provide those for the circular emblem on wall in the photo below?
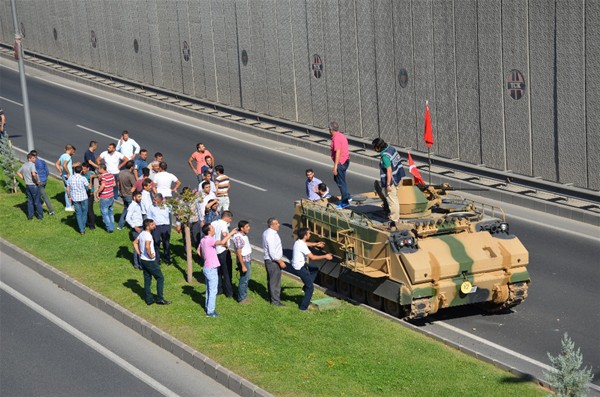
point(93, 39)
point(136, 46)
point(317, 66)
point(186, 51)
point(55, 33)
point(22, 29)
point(515, 84)
point(403, 78)
point(244, 57)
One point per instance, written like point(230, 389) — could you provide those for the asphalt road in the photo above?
point(269, 176)
point(54, 343)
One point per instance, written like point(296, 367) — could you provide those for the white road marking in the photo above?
point(11, 101)
point(90, 342)
point(97, 132)
point(249, 185)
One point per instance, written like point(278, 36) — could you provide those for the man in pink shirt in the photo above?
point(208, 250)
point(200, 157)
point(341, 161)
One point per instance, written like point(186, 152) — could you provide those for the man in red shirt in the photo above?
point(107, 198)
point(341, 161)
point(199, 156)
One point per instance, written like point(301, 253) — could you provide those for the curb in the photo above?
point(196, 359)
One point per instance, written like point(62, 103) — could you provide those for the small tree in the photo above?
point(9, 163)
point(568, 378)
point(182, 207)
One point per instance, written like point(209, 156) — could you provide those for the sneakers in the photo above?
point(278, 304)
point(120, 228)
point(51, 213)
point(213, 314)
point(70, 209)
point(341, 206)
point(163, 302)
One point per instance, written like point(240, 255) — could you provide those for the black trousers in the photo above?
point(225, 274)
point(162, 234)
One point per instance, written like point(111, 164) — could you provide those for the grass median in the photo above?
point(348, 351)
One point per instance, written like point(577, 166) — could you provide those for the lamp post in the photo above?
point(19, 56)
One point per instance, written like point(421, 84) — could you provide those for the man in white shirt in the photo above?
point(128, 146)
point(225, 270)
point(113, 161)
point(206, 195)
point(273, 256)
point(135, 219)
point(300, 264)
point(165, 180)
point(161, 213)
point(144, 247)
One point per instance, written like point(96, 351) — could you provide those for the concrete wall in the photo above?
point(312, 61)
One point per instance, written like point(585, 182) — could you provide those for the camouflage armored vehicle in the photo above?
point(444, 251)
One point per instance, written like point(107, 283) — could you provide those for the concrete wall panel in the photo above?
point(244, 44)
point(386, 73)
point(445, 79)
point(424, 74)
point(542, 88)
point(273, 73)
point(257, 57)
point(467, 80)
point(491, 83)
point(333, 60)
point(233, 60)
point(187, 69)
point(302, 73)
point(570, 83)
point(316, 46)
point(403, 53)
point(286, 60)
point(349, 67)
point(366, 67)
point(220, 49)
point(208, 50)
point(516, 111)
point(196, 49)
point(592, 94)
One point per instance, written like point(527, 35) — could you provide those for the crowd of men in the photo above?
point(124, 170)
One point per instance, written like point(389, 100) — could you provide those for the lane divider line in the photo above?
point(97, 132)
point(89, 342)
point(11, 101)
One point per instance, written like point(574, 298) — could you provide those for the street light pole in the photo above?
point(19, 54)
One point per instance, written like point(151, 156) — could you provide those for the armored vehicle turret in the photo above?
point(444, 251)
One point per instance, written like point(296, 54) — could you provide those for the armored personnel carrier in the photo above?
point(445, 251)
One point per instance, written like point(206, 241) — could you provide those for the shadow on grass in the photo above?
point(261, 290)
point(125, 252)
point(70, 220)
point(136, 288)
point(22, 207)
point(524, 378)
point(196, 296)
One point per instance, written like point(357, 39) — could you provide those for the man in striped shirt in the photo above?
point(107, 198)
point(77, 190)
point(222, 185)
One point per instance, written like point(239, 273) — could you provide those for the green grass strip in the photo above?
point(347, 351)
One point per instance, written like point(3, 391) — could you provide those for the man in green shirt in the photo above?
point(390, 173)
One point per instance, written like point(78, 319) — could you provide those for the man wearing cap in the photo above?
point(390, 173)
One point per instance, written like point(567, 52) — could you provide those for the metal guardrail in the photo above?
point(571, 196)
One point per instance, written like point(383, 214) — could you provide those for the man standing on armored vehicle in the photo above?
point(390, 174)
point(341, 161)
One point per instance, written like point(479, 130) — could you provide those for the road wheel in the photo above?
point(328, 282)
point(358, 294)
point(393, 308)
point(343, 287)
point(374, 301)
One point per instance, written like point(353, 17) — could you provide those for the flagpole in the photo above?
point(428, 152)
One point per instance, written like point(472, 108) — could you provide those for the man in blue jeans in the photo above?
point(77, 190)
point(301, 254)
point(64, 165)
point(43, 172)
point(29, 175)
point(107, 198)
point(243, 251)
point(341, 161)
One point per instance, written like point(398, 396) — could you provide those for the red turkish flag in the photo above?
point(415, 171)
point(428, 131)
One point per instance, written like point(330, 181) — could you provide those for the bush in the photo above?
point(568, 378)
point(9, 164)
